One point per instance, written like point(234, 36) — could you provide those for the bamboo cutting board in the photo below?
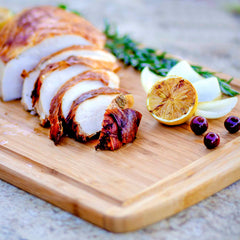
point(165, 170)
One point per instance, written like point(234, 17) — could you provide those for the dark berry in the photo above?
point(199, 125)
point(232, 124)
point(211, 140)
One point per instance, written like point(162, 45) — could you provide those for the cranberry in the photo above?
point(199, 125)
point(211, 140)
point(232, 124)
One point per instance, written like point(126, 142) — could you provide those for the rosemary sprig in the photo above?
point(64, 7)
point(127, 50)
point(131, 53)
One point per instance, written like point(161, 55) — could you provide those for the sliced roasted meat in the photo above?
point(55, 75)
point(84, 120)
point(36, 33)
point(80, 51)
point(71, 90)
point(119, 127)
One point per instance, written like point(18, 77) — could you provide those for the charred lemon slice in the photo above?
point(172, 101)
point(5, 16)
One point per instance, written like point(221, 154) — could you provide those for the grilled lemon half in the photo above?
point(172, 100)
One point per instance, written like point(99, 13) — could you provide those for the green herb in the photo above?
point(64, 7)
point(76, 12)
point(131, 53)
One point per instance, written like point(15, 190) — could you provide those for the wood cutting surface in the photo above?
point(117, 182)
point(24, 216)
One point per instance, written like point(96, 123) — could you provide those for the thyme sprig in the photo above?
point(131, 53)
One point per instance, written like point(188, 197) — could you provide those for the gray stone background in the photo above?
point(199, 30)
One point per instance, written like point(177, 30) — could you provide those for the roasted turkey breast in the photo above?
point(80, 51)
point(119, 127)
point(62, 102)
point(55, 61)
point(36, 33)
point(55, 75)
point(87, 112)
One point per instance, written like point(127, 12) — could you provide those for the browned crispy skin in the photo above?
point(70, 61)
point(56, 119)
point(32, 26)
point(73, 127)
point(120, 126)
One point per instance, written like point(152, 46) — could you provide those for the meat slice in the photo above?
point(71, 90)
point(119, 127)
point(80, 51)
point(36, 33)
point(84, 120)
point(55, 75)
point(94, 79)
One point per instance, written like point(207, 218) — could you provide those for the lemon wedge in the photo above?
point(216, 109)
point(208, 89)
point(5, 16)
point(172, 100)
point(148, 78)
point(184, 70)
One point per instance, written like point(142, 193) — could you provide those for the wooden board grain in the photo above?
point(165, 170)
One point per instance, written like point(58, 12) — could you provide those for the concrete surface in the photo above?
point(201, 31)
